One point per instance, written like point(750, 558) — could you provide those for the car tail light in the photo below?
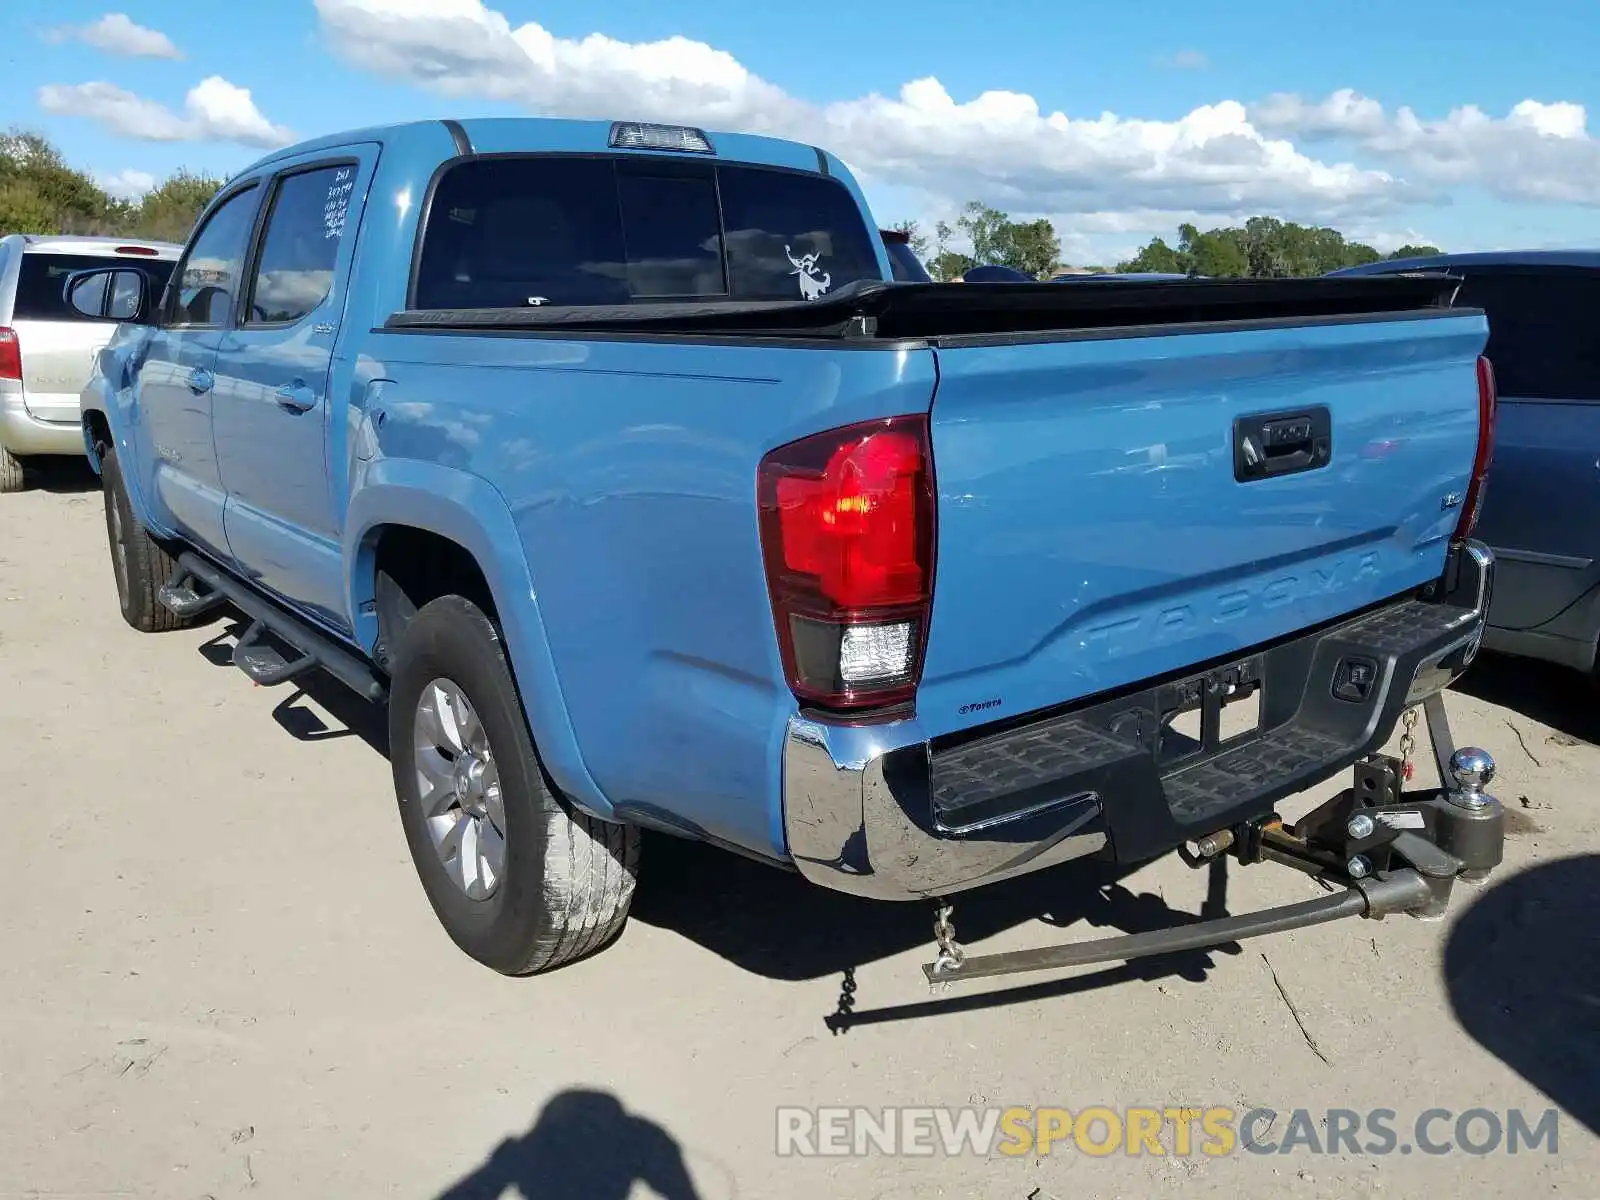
point(10, 355)
point(1488, 402)
point(145, 251)
point(847, 536)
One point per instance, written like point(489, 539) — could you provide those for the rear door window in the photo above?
point(529, 231)
point(41, 285)
point(300, 249)
point(1541, 329)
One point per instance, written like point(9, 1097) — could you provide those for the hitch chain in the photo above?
point(951, 952)
point(1408, 742)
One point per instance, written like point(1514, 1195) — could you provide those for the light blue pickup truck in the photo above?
point(613, 460)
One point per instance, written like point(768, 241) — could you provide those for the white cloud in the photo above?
point(214, 110)
point(116, 33)
point(998, 145)
point(1537, 151)
point(126, 184)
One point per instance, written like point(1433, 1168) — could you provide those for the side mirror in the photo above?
point(109, 294)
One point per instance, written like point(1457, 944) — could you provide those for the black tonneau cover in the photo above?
point(945, 310)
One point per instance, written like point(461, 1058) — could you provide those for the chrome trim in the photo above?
point(849, 832)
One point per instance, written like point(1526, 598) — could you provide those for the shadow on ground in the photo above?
point(60, 474)
point(773, 923)
point(1564, 699)
point(1522, 968)
point(584, 1146)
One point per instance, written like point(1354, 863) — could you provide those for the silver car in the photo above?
point(47, 347)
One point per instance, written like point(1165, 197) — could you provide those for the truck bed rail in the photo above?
point(898, 311)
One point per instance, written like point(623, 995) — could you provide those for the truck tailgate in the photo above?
point(1093, 532)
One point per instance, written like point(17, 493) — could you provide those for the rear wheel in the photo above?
point(10, 471)
point(520, 880)
point(138, 562)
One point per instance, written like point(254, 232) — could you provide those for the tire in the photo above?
point(10, 472)
point(564, 879)
point(138, 563)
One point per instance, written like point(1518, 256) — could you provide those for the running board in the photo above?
point(1400, 891)
point(197, 586)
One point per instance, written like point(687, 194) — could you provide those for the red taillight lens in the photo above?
point(847, 536)
point(145, 251)
point(10, 355)
point(1488, 401)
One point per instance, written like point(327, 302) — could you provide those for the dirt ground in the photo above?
point(220, 976)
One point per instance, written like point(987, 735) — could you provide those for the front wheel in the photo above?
point(520, 880)
point(138, 562)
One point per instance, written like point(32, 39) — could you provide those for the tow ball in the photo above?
point(1377, 849)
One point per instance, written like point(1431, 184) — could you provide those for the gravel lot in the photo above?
point(221, 977)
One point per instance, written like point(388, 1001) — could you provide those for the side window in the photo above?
point(792, 236)
point(294, 272)
point(211, 269)
point(1541, 335)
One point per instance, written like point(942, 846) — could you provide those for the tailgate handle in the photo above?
point(1269, 444)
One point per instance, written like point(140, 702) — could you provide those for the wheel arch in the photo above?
point(420, 525)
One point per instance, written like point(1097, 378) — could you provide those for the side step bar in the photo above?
point(197, 587)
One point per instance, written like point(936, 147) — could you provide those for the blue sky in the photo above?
point(1445, 121)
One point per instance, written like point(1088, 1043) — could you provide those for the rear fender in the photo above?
point(470, 512)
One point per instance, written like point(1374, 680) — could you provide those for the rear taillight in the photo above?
point(10, 355)
point(144, 251)
point(1488, 399)
point(847, 536)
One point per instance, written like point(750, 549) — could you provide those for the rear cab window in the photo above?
point(520, 231)
point(41, 282)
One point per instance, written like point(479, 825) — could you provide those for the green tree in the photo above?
point(35, 167)
point(946, 264)
point(1263, 248)
point(1411, 251)
point(1030, 246)
point(914, 237)
point(1157, 256)
point(984, 227)
point(168, 212)
point(24, 210)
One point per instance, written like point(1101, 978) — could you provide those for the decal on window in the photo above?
point(805, 268)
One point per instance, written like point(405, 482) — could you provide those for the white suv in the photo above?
point(48, 347)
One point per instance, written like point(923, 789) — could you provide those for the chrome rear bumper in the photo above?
point(860, 813)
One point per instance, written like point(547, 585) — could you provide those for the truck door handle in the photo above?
point(201, 380)
point(1269, 444)
point(296, 397)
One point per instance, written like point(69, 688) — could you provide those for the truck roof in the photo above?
point(1485, 258)
point(505, 135)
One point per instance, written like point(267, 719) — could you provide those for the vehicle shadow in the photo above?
point(61, 474)
point(1563, 699)
point(355, 717)
point(1522, 969)
point(785, 928)
point(584, 1146)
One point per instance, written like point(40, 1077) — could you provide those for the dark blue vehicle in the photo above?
point(1541, 507)
point(613, 461)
